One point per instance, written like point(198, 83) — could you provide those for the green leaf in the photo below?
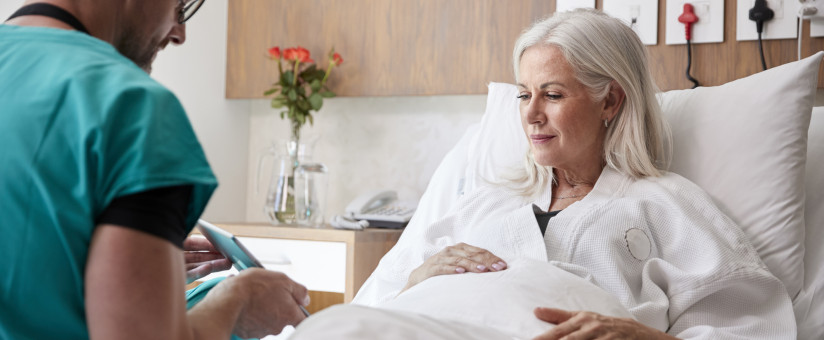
point(316, 100)
point(311, 120)
point(270, 91)
point(327, 94)
point(301, 119)
point(282, 114)
point(303, 105)
point(287, 79)
point(292, 95)
point(277, 103)
point(315, 85)
point(301, 91)
point(309, 72)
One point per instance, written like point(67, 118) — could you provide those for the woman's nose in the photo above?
point(535, 113)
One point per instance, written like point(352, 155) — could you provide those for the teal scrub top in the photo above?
point(79, 126)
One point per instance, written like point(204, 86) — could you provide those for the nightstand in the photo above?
point(331, 263)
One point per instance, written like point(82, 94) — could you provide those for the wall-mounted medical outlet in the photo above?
point(708, 29)
point(640, 15)
point(783, 25)
point(811, 9)
point(568, 5)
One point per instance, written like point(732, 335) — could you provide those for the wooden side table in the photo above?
point(316, 255)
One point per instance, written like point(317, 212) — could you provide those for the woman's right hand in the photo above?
point(456, 259)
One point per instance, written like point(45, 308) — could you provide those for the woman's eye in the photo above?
point(553, 96)
point(523, 96)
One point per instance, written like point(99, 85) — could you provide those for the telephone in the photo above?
point(381, 208)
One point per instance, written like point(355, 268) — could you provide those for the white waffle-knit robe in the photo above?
point(701, 279)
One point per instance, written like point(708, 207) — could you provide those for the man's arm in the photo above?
point(134, 290)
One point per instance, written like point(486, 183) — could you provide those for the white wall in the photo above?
point(368, 143)
point(195, 72)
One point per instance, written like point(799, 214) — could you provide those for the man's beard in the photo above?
point(143, 55)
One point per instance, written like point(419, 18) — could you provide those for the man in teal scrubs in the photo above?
point(102, 178)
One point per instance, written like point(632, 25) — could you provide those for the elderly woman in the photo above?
point(594, 200)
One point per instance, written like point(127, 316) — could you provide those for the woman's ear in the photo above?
point(613, 101)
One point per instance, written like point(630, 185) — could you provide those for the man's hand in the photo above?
point(202, 258)
point(271, 301)
point(589, 325)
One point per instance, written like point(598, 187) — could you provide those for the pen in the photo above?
point(305, 312)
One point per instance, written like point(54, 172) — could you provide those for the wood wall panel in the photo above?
point(441, 47)
point(397, 47)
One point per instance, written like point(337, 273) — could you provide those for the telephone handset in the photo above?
point(382, 209)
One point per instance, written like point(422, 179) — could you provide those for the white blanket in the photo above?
point(496, 305)
point(659, 245)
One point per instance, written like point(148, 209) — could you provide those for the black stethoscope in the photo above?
point(51, 11)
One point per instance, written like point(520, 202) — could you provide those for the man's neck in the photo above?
point(93, 17)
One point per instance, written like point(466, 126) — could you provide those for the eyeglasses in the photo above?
point(188, 9)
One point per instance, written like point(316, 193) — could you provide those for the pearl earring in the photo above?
point(606, 123)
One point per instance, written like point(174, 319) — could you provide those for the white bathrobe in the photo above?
point(659, 245)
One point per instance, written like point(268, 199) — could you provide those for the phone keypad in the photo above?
point(392, 210)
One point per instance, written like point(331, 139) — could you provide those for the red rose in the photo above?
point(303, 55)
point(290, 54)
point(338, 59)
point(274, 53)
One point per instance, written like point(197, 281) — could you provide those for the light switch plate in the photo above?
point(708, 29)
point(817, 27)
point(568, 5)
point(644, 13)
point(782, 26)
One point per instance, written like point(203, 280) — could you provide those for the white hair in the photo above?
point(602, 49)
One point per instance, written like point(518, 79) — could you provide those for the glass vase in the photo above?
point(297, 186)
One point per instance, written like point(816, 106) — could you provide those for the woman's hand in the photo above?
point(457, 259)
point(589, 325)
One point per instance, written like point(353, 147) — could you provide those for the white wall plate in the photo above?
point(817, 27)
point(568, 5)
point(708, 29)
point(641, 15)
point(782, 26)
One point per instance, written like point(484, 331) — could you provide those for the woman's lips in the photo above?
point(540, 139)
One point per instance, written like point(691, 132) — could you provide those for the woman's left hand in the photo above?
point(589, 325)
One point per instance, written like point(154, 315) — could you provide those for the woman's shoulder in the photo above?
point(668, 183)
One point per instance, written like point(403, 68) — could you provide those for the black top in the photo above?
point(160, 212)
point(543, 217)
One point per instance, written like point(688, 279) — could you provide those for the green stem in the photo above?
point(328, 70)
point(295, 80)
point(280, 67)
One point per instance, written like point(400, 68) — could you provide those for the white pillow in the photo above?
point(809, 305)
point(743, 142)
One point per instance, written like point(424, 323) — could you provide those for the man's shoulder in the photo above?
point(70, 57)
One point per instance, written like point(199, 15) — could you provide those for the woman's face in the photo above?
point(563, 124)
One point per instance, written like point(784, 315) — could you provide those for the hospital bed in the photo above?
point(756, 145)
